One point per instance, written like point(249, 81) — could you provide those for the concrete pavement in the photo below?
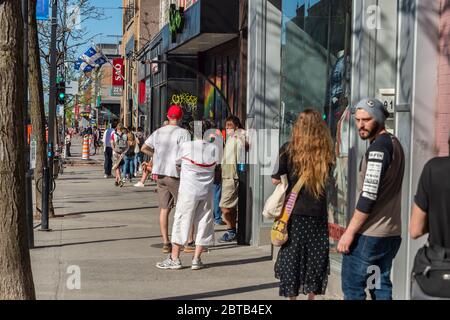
point(111, 236)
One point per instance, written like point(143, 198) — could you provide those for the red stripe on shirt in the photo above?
point(199, 164)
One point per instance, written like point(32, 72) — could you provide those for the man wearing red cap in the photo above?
point(163, 146)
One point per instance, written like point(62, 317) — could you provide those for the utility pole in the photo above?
point(26, 122)
point(48, 178)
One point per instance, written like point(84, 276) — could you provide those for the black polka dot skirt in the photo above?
point(303, 262)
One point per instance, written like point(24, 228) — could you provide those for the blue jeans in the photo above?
point(369, 264)
point(128, 167)
point(137, 161)
point(217, 211)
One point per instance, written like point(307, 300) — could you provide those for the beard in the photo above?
point(371, 133)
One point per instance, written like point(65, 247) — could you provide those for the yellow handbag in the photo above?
point(279, 232)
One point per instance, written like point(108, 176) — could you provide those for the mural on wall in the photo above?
point(209, 99)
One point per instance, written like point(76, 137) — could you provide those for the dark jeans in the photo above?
point(108, 161)
point(369, 265)
point(128, 168)
point(217, 211)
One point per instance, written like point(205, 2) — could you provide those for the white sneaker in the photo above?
point(169, 264)
point(197, 264)
point(139, 185)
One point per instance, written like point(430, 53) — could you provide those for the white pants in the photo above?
point(197, 214)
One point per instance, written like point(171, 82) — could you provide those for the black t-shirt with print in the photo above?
point(378, 157)
point(306, 203)
point(433, 197)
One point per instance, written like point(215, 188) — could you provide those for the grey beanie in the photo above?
point(375, 108)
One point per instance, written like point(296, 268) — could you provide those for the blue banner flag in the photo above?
point(42, 9)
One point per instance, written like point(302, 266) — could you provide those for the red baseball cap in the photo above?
point(175, 112)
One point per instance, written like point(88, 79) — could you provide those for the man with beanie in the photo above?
point(373, 236)
point(163, 146)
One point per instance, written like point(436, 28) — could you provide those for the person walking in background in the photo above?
point(162, 146)
point(68, 143)
point(96, 139)
point(129, 156)
point(139, 155)
point(107, 151)
point(373, 236)
point(303, 263)
point(197, 160)
point(120, 146)
point(230, 179)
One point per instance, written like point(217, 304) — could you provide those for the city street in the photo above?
point(112, 234)
point(319, 128)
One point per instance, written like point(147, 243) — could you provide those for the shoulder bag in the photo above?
point(274, 204)
point(279, 232)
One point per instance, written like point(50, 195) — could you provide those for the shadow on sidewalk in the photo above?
point(88, 242)
point(225, 292)
point(237, 262)
point(109, 210)
point(75, 229)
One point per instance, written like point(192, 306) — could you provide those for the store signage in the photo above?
point(118, 72)
point(176, 21)
point(116, 91)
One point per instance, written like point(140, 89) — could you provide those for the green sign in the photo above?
point(176, 21)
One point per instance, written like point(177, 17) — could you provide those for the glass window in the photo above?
point(315, 73)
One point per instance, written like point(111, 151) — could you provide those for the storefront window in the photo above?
point(315, 73)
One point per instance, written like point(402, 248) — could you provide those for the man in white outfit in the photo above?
point(198, 160)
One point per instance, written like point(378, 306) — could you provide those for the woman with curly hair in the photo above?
point(302, 264)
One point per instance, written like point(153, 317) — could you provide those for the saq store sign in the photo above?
point(42, 8)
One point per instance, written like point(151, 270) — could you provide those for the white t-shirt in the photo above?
point(166, 141)
point(198, 161)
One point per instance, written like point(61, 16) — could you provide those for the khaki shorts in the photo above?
point(167, 188)
point(230, 188)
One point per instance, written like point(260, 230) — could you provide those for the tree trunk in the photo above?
point(37, 111)
point(16, 280)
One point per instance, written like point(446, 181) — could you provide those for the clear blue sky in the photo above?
point(112, 25)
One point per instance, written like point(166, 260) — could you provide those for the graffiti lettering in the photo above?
point(185, 99)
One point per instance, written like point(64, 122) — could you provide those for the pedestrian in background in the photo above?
point(107, 151)
point(120, 146)
point(303, 262)
point(139, 155)
point(235, 141)
point(373, 236)
point(96, 139)
point(163, 146)
point(129, 156)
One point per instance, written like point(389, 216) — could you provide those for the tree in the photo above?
point(37, 111)
point(16, 280)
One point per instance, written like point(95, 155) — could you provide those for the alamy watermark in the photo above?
point(374, 280)
point(373, 18)
point(74, 280)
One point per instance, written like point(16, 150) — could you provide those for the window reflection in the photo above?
point(315, 72)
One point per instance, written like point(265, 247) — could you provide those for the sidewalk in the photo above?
point(112, 234)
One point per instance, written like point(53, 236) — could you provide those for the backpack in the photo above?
point(120, 143)
point(430, 278)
